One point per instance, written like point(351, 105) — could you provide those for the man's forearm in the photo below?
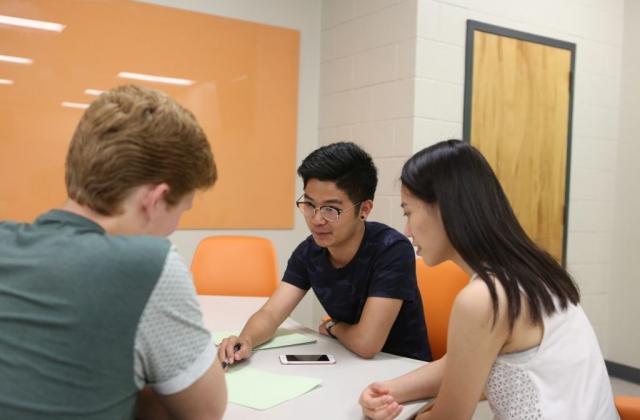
point(355, 339)
point(260, 328)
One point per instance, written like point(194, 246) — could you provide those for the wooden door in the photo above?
point(517, 113)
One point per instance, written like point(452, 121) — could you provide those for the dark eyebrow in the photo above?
point(332, 201)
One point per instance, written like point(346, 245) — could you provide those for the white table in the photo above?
point(337, 397)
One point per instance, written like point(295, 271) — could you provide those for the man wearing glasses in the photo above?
point(363, 273)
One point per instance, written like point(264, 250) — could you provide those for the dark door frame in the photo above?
point(472, 27)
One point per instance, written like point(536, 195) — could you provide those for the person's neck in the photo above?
point(343, 254)
point(109, 223)
point(462, 264)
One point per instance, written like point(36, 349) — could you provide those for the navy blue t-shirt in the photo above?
point(384, 266)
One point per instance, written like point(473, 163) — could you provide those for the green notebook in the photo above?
point(281, 338)
point(261, 390)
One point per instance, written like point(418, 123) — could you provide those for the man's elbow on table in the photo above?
point(366, 349)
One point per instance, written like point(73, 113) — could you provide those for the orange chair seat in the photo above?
point(235, 266)
point(628, 407)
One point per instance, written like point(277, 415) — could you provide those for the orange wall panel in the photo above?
point(244, 96)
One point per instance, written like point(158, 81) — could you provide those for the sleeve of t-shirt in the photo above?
point(173, 349)
point(394, 272)
point(296, 272)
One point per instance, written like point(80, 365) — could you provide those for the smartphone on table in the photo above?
point(307, 359)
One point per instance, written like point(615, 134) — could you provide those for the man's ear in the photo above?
point(365, 209)
point(153, 199)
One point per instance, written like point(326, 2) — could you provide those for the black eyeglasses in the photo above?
point(328, 213)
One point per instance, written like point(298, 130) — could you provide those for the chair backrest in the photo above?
point(628, 407)
point(235, 266)
point(439, 286)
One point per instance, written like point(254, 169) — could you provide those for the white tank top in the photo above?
point(563, 378)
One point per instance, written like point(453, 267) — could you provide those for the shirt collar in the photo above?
point(63, 217)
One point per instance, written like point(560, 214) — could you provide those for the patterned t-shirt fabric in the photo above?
point(384, 266)
point(173, 349)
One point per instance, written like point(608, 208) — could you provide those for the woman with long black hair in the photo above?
point(517, 333)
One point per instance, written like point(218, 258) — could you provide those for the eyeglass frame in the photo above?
point(319, 208)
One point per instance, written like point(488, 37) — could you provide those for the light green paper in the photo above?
point(281, 338)
point(262, 390)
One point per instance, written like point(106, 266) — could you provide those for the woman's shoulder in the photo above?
point(476, 303)
point(473, 306)
point(476, 296)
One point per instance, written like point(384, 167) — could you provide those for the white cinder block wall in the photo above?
point(624, 342)
point(394, 82)
point(367, 85)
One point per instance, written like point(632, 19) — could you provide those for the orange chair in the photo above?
point(235, 266)
point(628, 407)
point(439, 286)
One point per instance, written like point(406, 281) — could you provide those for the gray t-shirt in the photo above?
point(88, 318)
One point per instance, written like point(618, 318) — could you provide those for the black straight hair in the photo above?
point(484, 230)
point(346, 164)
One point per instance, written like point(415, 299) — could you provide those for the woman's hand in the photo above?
point(378, 404)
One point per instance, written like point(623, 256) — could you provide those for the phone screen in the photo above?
point(307, 358)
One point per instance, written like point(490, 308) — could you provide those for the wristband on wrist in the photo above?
point(330, 324)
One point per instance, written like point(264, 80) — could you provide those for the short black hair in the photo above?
point(346, 164)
